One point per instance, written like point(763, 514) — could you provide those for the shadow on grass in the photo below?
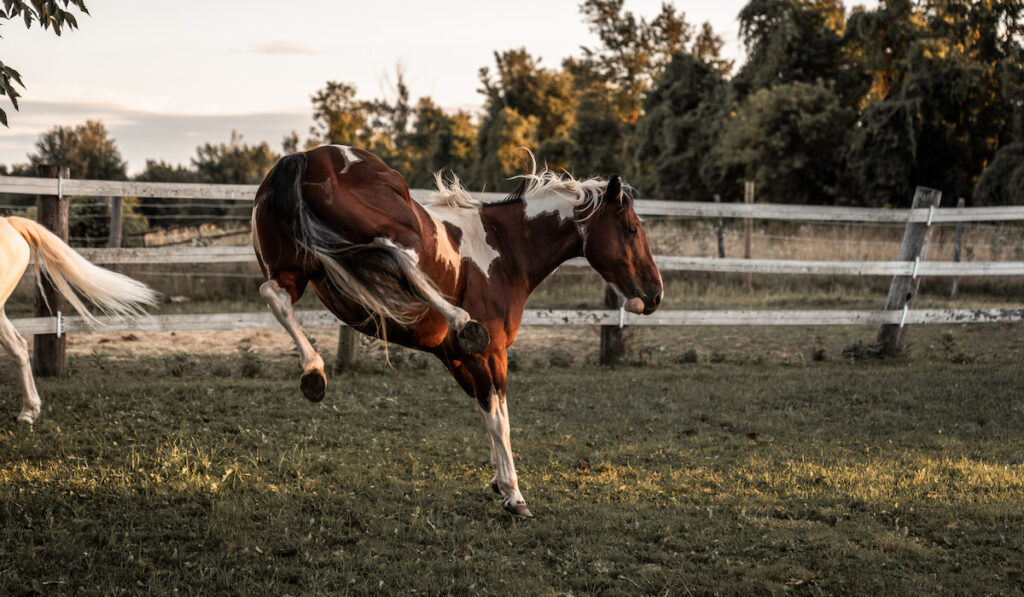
point(867, 478)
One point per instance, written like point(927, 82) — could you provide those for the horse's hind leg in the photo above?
point(472, 335)
point(14, 256)
point(17, 347)
point(280, 300)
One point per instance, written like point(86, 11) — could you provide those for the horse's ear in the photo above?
point(613, 192)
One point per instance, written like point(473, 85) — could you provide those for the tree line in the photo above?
point(831, 106)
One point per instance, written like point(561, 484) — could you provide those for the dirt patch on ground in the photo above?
point(575, 341)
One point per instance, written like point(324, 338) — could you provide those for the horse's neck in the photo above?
point(538, 236)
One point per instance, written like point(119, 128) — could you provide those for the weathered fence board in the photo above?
point(537, 317)
point(644, 207)
point(244, 254)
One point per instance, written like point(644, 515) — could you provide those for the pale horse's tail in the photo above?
point(73, 275)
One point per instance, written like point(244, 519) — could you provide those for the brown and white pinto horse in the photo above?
point(449, 277)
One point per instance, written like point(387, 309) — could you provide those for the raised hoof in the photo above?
point(314, 385)
point(519, 510)
point(473, 337)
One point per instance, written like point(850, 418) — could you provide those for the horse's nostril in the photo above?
point(657, 298)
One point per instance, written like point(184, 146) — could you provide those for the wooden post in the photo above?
point(748, 226)
point(903, 290)
point(116, 219)
point(614, 339)
point(721, 241)
point(956, 249)
point(348, 349)
point(48, 350)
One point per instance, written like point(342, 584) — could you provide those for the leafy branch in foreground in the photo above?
point(50, 15)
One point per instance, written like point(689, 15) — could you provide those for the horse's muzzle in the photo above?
point(651, 304)
point(644, 304)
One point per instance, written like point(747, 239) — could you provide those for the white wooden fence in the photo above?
point(649, 208)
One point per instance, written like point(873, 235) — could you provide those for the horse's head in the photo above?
point(616, 246)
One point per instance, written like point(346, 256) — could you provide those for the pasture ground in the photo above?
point(719, 461)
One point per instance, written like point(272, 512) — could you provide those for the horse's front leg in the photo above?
point(495, 413)
point(280, 296)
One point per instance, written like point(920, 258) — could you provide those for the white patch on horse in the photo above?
point(348, 155)
point(473, 244)
point(552, 203)
point(446, 252)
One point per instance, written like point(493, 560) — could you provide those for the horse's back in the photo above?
point(359, 196)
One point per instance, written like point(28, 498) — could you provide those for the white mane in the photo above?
point(451, 194)
point(585, 196)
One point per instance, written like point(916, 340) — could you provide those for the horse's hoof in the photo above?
point(26, 419)
point(519, 510)
point(473, 337)
point(314, 385)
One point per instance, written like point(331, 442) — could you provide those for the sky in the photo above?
point(166, 77)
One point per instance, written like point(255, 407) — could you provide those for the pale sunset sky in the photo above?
point(167, 76)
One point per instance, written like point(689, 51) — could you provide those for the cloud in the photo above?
point(279, 47)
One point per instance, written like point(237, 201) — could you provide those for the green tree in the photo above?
point(500, 142)
point(526, 105)
point(439, 141)
point(164, 212)
point(788, 140)
point(86, 150)
point(234, 162)
point(613, 79)
point(388, 122)
point(679, 127)
point(338, 116)
point(941, 108)
point(634, 51)
point(50, 14)
point(89, 153)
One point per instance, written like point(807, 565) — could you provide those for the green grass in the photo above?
point(183, 474)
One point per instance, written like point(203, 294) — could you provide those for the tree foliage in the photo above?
point(676, 131)
point(831, 106)
point(787, 139)
point(54, 15)
point(88, 152)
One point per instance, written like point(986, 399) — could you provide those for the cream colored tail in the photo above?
point(72, 274)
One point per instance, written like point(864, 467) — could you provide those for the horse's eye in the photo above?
point(632, 230)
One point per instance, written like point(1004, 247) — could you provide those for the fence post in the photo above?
point(48, 356)
point(748, 227)
point(614, 339)
point(721, 241)
point(956, 250)
point(348, 349)
point(116, 219)
point(903, 290)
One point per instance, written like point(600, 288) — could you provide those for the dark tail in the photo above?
point(373, 275)
point(285, 185)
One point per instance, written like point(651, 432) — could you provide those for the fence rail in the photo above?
point(535, 317)
point(244, 254)
point(645, 207)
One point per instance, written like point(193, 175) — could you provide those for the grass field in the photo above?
point(750, 472)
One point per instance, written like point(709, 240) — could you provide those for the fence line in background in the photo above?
point(644, 207)
point(918, 222)
point(244, 254)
